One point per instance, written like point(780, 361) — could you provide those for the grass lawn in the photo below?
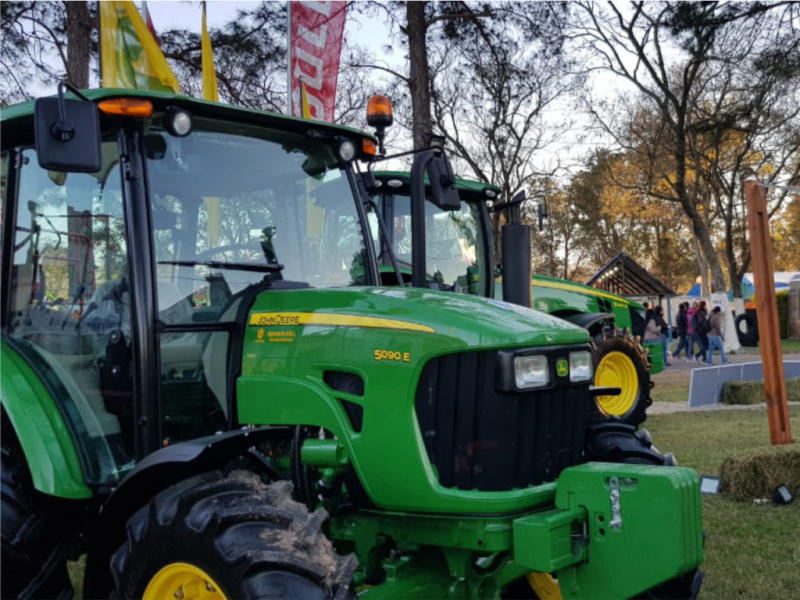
point(671, 386)
point(751, 551)
point(790, 345)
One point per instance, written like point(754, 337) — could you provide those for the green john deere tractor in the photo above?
point(206, 390)
point(459, 256)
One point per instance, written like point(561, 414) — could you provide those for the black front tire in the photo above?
point(623, 444)
point(686, 587)
point(253, 540)
point(36, 529)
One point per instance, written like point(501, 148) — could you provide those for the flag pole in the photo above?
point(290, 110)
point(99, 49)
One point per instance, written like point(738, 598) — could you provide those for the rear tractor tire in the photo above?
point(217, 537)
point(621, 361)
point(36, 530)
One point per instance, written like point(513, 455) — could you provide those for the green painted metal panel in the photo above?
point(658, 535)
point(284, 362)
point(46, 441)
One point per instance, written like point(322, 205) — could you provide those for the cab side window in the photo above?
point(4, 158)
point(70, 303)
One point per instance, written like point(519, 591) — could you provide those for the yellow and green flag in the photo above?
point(209, 74)
point(130, 57)
point(306, 110)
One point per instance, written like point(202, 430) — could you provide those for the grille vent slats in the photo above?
point(480, 439)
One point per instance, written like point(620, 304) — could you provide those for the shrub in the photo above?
point(752, 392)
point(756, 474)
point(783, 313)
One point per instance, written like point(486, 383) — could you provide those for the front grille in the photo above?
point(480, 439)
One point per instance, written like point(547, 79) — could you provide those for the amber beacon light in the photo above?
point(379, 116)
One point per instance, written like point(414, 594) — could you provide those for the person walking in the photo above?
point(690, 329)
point(663, 330)
point(652, 332)
point(682, 322)
point(701, 326)
point(716, 331)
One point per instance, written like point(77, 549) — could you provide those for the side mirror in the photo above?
point(445, 196)
point(443, 184)
point(541, 211)
point(67, 134)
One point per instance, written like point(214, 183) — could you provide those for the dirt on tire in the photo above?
point(251, 538)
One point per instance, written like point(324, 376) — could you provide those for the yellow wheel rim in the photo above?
point(182, 581)
point(616, 369)
point(545, 586)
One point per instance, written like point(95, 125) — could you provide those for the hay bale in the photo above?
point(743, 392)
point(756, 474)
point(752, 392)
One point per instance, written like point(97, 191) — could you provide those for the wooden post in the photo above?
point(767, 305)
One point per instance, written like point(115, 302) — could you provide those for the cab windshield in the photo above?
point(232, 206)
point(454, 244)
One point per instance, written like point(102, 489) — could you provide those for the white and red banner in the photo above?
point(316, 30)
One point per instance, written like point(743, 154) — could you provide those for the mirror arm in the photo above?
point(400, 154)
point(418, 169)
point(63, 129)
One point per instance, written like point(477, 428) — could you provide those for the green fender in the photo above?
point(45, 439)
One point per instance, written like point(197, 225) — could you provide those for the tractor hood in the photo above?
point(454, 321)
point(352, 362)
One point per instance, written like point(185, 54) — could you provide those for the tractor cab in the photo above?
point(457, 245)
point(142, 256)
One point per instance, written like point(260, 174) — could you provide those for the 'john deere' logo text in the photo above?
point(562, 367)
point(272, 319)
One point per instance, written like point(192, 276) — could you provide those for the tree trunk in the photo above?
point(79, 40)
point(419, 74)
point(689, 205)
point(495, 220)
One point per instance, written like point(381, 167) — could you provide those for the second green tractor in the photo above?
point(459, 256)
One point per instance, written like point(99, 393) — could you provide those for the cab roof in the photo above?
point(464, 185)
point(196, 106)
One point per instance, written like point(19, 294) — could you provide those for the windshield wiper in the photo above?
point(216, 264)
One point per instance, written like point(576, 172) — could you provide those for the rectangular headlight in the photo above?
point(531, 371)
point(580, 366)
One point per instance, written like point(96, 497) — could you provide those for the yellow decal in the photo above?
point(260, 335)
point(392, 355)
point(576, 289)
point(282, 319)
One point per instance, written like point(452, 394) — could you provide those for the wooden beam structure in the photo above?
point(780, 431)
point(624, 276)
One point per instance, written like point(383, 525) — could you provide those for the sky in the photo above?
point(376, 35)
point(167, 14)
